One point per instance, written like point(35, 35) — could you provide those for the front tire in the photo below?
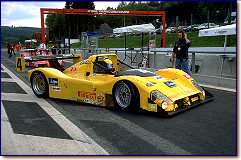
point(126, 96)
point(39, 85)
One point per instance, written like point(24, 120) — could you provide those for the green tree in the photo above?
point(56, 24)
point(79, 23)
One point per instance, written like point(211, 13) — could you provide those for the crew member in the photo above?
point(18, 46)
point(180, 51)
point(12, 49)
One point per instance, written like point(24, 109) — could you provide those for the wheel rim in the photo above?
point(38, 84)
point(123, 95)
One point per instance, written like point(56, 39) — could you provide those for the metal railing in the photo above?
point(223, 55)
point(134, 52)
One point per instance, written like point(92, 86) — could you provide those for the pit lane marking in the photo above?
point(26, 144)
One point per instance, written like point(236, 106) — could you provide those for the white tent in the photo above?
point(219, 31)
point(145, 28)
point(31, 40)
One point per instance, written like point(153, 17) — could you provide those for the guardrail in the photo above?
point(134, 52)
point(223, 55)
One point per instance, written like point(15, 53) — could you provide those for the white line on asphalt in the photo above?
point(85, 145)
point(7, 80)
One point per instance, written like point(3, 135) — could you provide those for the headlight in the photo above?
point(155, 94)
point(164, 105)
point(197, 86)
point(203, 94)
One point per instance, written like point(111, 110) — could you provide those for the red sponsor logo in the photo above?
point(187, 76)
point(87, 95)
point(100, 95)
point(73, 69)
point(191, 91)
point(174, 96)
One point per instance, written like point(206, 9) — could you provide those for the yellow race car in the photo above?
point(103, 80)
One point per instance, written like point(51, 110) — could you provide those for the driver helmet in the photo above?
point(106, 62)
point(109, 63)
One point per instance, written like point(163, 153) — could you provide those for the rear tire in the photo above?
point(39, 85)
point(126, 96)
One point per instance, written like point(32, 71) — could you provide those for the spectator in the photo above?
point(180, 51)
point(42, 46)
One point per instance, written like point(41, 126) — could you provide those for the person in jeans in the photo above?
point(180, 51)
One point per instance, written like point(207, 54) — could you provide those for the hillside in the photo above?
point(13, 33)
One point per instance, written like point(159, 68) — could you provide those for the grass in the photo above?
point(136, 41)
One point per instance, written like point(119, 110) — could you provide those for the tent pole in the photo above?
point(225, 42)
point(125, 46)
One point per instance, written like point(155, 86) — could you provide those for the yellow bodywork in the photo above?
point(81, 83)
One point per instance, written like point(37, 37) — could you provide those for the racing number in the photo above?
point(20, 63)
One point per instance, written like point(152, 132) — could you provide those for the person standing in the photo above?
point(42, 46)
point(18, 47)
point(12, 49)
point(180, 51)
point(9, 49)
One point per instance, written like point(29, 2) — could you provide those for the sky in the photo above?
point(27, 14)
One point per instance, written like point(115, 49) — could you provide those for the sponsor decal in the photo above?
point(73, 69)
point(80, 100)
point(187, 76)
point(194, 99)
point(93, 75)
point(100, 96)
point(65, 86)
point(149, 84)
point(158, 77)
point(56, 88)
point(152, 107)
point(88, 95)
point(94, 102)
point(171, 84)
point(74, 98)
point(53, 81)
point(191, 91)
point(101, 101)
point(174, 96)
point(87, 101)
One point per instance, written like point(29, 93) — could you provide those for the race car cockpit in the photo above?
point(103, 65)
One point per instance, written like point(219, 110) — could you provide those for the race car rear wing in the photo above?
point(53, 60)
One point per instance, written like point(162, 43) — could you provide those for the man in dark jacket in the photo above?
point(9, 48)
point(180, 51)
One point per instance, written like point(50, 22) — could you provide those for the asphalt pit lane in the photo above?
point(30, 119)
point(123, 140)
point(11, 87)
point(5, 75)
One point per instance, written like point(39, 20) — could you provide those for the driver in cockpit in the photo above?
point(103, 65)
